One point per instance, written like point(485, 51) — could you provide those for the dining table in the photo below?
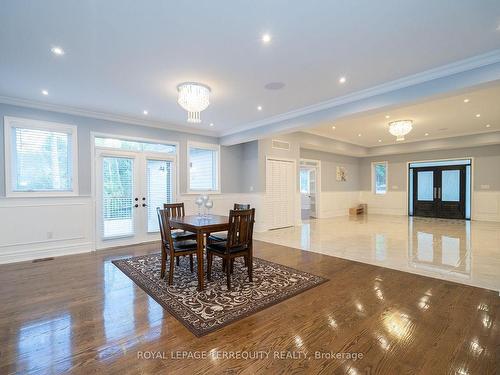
point(202, 226)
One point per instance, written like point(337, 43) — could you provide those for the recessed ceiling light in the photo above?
point(342, 80)
point(478, 115)
point(259, 108)
point(387, 116)
point(466, 100)
point(334, 127)
point(359, 135)
point(145, 112)
point(211, 124)
point(488, 125)
point(426, 134)
point(45, 92)
point(379, 141)
point(58, 51)
point(266, 38)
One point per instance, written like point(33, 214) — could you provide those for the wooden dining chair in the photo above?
point(222, 236)
point(239, 243)
point(177, 209)
point(172, 249)
point(173, 210)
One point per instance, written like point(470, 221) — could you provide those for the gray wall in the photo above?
point(230, 156)
point(250, 177)
point(329, 163)
point(486, 168)
point(266, 150)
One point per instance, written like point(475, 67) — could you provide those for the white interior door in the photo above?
point(280, 193)
point(130, 186)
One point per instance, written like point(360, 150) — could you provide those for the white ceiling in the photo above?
point(124, 56)
point(439, 118)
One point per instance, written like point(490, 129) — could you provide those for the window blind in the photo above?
point(160, 189)
point(202, 169)
point(41, 160)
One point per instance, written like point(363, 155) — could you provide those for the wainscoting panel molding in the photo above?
point(32, 228)
point(486, 205)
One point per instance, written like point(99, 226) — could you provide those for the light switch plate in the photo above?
point(485, 187)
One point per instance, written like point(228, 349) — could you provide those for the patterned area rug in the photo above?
point(215, 307)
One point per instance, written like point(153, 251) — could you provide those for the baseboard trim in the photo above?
point(53, 251)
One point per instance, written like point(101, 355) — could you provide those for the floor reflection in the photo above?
point(44, 344)
point(440, 249)
point(119, 296)
point(456, 250)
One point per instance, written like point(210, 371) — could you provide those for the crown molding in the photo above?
point(443, 71)
point(102, 115)
point(326, 144)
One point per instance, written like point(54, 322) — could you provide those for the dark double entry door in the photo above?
point(439, 191)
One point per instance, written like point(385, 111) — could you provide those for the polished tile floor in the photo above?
point(466, 252)
point(80, 314)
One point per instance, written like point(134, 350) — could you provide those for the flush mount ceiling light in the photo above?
point(194, 98)
point(400, 128)
point(266, 38)
point(58, 51)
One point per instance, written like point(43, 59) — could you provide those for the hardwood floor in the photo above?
point(81, 314)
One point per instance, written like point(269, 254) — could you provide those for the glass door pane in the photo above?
point(425, 187)
point(160, 187)
point(450, 185)
point(117, 197)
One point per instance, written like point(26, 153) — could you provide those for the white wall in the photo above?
point(39, 228)
point(33, 228)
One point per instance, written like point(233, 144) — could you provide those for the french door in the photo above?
point(439, 191)
point(130, 186)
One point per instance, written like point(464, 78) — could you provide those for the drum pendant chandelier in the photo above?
point(194, 98)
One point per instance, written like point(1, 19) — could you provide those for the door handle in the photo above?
point(435, 195)
point(439, 193)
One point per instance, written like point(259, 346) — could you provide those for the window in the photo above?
point(203, 165)
point(305, 181)
point(128, 145)
point(41, 158)
point(379, 175)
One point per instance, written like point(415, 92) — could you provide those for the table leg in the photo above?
point(199, 259)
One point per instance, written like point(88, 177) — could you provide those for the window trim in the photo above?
point(12, 122)
point(206, 146)
point(373, 176)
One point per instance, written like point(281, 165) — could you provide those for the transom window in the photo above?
point(41, 158)
point(379, 177)
point(203, 167)
point(127, 145)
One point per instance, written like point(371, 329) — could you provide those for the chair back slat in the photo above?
point(165, 230)
point(239, 206)
point(240, 231)
point(174, 209)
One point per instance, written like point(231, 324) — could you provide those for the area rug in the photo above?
point(215, 307)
